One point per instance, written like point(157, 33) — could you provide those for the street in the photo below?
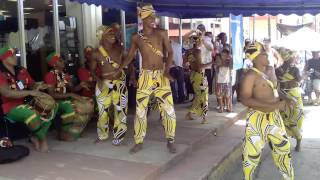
point(306, 163)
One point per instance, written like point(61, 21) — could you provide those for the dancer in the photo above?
point(153, 45)
point(289, 77)
point(198, 80)
point(264, 122)
point(111, 90)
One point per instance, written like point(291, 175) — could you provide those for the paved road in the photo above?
point(306, 162)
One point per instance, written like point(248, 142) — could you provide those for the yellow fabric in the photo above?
point(265, 128)
point(146, 11)
point(113, 93)
point(148, 43)
point(154, 83)
point(200, 87)
point(103, 30)
point(105, 54)
point(254, 50)
point(293, 117)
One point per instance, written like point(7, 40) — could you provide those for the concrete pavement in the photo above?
point(85, 160)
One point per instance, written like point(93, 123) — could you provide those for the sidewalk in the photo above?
point(85, 160)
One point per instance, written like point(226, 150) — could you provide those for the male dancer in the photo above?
point(289, 77)
point(198, 80)
point(154, 79)
point(111, 87)
point(264, 122)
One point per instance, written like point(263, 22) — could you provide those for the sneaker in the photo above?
point(116, 142)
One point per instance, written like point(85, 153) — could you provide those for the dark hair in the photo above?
point(201, 26)
point(221, 35)
point(208, 34)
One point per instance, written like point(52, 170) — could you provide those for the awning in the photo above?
point(287, 29)
point(216, 8)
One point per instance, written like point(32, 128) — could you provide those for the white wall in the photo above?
point(89, 18)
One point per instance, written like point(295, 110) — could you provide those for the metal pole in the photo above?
point(123, 29)
point(269, 26)
point(180, 31)
point(315, 23)
point(23, 53)
point(56, 25)
point(254, 29)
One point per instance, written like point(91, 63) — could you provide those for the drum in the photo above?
point(45, 106)
point(84, 105)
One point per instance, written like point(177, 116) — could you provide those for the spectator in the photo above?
point(313, 65)
point(177, 72)
point(274, 58)
point(223, 91)
point(206, 54)
point(223, 41)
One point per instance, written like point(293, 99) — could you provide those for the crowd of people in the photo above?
point(169, 73)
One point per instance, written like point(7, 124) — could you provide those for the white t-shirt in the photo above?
point(223, 75)
point(177, 53)
point(272, 60)
point(206, 55)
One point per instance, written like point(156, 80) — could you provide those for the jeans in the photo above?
point(209, 74)
point(177, 86)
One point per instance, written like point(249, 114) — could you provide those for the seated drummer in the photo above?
point(61, 89)
point(16, 84)
point(85, 76)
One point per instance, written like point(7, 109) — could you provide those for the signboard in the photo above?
point(237, 38)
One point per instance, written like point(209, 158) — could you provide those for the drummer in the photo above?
point(61, 89)
point(16, 84)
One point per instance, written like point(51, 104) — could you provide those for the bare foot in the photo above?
point(189, 116)
point(35, 142)
point(136, 148)
point(220, 110)
point(204, 121)
point(44, 145)
point(298, 146)
point(64, 136)
point(171, 147)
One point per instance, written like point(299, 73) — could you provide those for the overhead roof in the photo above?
point(216, 8)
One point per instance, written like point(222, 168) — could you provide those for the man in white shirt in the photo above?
point(206, 54)
point(177, 71)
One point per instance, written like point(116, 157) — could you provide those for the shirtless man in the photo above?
point(264, 123)
point(154, 79)
point(198, 80)
point(111, 87)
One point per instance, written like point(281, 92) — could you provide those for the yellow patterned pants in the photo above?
point(113, 93)
point(153, 82)
point(265, 128)
point(200, 87)
point(293, 117)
